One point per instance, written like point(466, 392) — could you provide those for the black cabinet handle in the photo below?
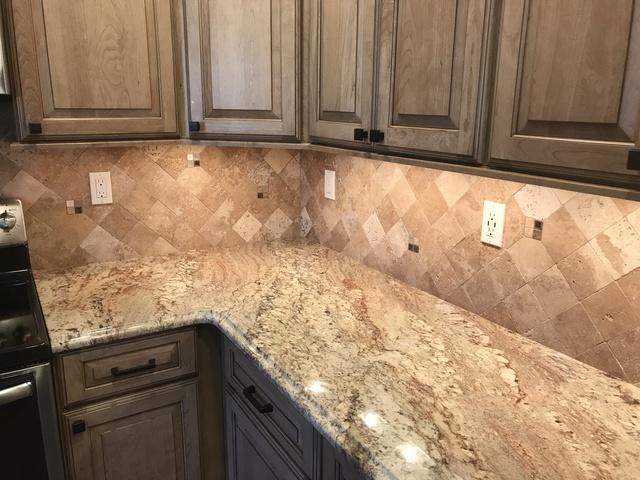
point(360, 134)
point(78, 426)
point(633, 161)
point(117, 372)
point(376, 136)
point(249, 393)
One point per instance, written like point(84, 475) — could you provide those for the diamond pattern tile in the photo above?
point(545, 289)
point(160, 205)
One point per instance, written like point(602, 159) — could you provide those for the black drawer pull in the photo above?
point(117, 372)
point(78, 426)
point(249, 392)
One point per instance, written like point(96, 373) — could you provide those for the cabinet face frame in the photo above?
point(279, 122)
point(456, 133)
point(34, 91)
point(325, 123)
point(512, 145)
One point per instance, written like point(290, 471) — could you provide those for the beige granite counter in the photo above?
point(409, 385)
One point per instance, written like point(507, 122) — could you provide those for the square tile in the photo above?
point(531, 258)
point(619, 248)
point(571, 332)
point(602, 358)
point(537, 202)
point(585, 271)
point(402, 196)
point(524, 309)
point(592, 213)
point(247, 226)
point(496, 281)
point(626, 349)
point(373, 230)
point(453, 186)
point(553, 292)
point(561, 236)
point(278, 223)
point(611, 311)
point(630, 286)
point(24, 187)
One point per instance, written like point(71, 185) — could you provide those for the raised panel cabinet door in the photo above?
point(430, 73)
point(335, 466)
point(146, 436)
point(568, 84)
point(94, 67)
point(251, 455)
point(341, 67)
point(243, 67)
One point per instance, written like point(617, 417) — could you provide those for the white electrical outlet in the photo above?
point(330, 184)
point(493, 223)
point(100, 184)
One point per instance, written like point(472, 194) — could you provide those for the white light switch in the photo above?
point(100, 184)
point(330, 184)
point(493, 223)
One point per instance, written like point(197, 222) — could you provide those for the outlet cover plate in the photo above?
point(100, 185)
point(493, 223)
point(330, 184)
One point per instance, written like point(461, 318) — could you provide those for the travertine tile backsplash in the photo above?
point(160, 205)
point(577, 290)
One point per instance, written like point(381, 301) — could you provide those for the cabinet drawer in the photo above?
point(105, 371)
point(284, 423)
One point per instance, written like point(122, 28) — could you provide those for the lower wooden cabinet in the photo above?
point(267, 436)
point(147, 408)
point(335, 466)
point(251, 454)
point(151, 435)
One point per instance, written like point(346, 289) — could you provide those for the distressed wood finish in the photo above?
point(87, 375)
point(250, 452)
point(90, 68)
point(341, 67)
point(147, 436)
point(430, 74)
point(243, 67)
point(285, 425)
point(568, 84)
point(335, 465)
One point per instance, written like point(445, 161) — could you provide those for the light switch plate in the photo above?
point(100, 184)
point(493, 223)
point(330, 184)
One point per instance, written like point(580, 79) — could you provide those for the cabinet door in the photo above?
point(568, 84)
point(340, 67)
point(429, 74)
point(94, 68)
point(250, 455)
point(335, 466)
point(243, 67)
point(147, 436)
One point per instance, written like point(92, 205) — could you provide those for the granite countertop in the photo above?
point(410, 386)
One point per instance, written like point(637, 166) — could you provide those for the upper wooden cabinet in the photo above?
point(94, 68)
point(341, 67)
point(243, 67)
point(429, 74)
point(423, 56)
point(568, 85)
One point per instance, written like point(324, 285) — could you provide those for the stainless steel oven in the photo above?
point(29, 440)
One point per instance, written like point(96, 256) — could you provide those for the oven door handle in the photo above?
point(15, 393)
